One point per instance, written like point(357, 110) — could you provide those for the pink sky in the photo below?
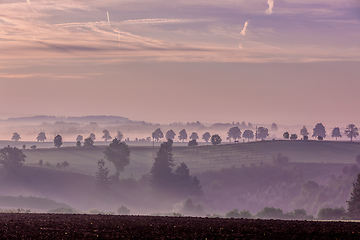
point(214, 61)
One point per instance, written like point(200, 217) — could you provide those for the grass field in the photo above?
point(202, 158)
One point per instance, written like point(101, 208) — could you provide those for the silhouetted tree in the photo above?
point(102, 178)
point(262, 133)
point(293, 137)
point(119, 136)
point(274, 127)
point(106, 135)
point(192, 143)
point(351, 131)
point(78, 144)
point(58, 141)
point(79, 138)
point(186, 185)
point(118, 153)
point(319, 131)
point(157, 134)
point(161, 175)
point(286, 135)
point(182, 135)
point(15, 137)
point(194, 136)
point(234, 133)
point(92, 136)
point(354, 202)
point(65, 164)
point(170, 134)
point(88, 142)
point(304, 132)
point(336, 133)
point(248, 134)
point(215, 139)
point(11, 157)
point(206, 137)
point(41, 137)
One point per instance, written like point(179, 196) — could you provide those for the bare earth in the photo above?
point(63, 226)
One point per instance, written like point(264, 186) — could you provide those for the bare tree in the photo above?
point(351, 131)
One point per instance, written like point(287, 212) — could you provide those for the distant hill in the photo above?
point(82, 119)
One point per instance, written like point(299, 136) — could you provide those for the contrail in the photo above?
point(271, 6)
point(243, 32)
point(108, 18)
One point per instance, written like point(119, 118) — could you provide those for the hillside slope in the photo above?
point(203, 158)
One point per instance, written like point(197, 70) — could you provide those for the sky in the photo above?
point(261, 61)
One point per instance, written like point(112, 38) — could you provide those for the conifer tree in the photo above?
point(354, 202)
point(102, 178)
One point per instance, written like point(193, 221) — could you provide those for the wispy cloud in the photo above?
point(243, 32)
point(271, 6)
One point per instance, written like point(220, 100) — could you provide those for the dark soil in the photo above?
point(61, 226)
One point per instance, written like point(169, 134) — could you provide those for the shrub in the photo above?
point(236, 214)
point(270, 213)
point(62, 210)
point(331, 213)
point(123, 210)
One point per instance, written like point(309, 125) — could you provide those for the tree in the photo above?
point(262, 133)
point(182, 135)
point(319, 131)
point(102, 178)
point(351, 131)
point(286, 135)
point(88, 142)
point(106, 135)
point(354, 202)
point(249, 134)
point(58, 141)
point(206, 137)
point(78, 144)
point(92, 136)
point(161, 175)
point(170, 134)
point(304, 132)
point(186, 184)
point(194, 136)
point(79, 138)
point(11, 157)
point(16, 137)
point(118, 153)
point(215, 139)
point(293, 137)
point(65, 164)
point(274, 127)
point(157, 134)
point(193, 143)
point(234, 133)
point(119, 136)
point(41, 137)
point(336, 133)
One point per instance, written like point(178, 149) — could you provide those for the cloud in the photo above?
point(243, 32)
point(271, 6)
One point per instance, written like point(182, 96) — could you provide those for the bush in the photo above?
point(270, 213)
point(331, 213)
point(123, 210)
point(62, 210)
point(236, 214)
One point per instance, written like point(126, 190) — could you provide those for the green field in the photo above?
point(202, 158)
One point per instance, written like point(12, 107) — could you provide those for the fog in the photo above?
point(244, 175)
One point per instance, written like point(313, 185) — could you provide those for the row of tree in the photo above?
point(319, 132)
